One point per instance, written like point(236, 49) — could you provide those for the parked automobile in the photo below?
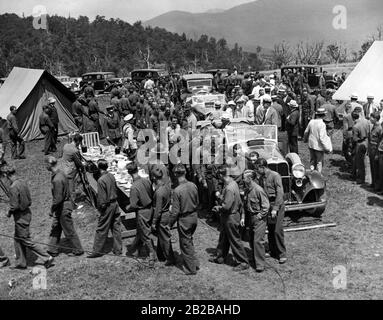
point(100, 80)
point(138, 75)
point(195, 83)
point(313, 74)
point(304, 189)
point(65, 80)
point(204, 103)
point(224, 72)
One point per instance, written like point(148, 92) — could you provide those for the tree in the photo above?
point(282, 54)
point(336, 52)
point(309, 52)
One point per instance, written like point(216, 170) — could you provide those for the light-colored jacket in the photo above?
point(317, 136)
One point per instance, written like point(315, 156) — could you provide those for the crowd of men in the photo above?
point(175, 192)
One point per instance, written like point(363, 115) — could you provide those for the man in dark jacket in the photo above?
point(109, 218)
point(292, 126)
point(17, 143)
point(19, 207)
point(61, 211)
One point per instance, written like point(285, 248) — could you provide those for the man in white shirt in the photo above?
point(370, 107)
point(149, 84)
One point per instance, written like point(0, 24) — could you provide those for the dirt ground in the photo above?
point(355, 246)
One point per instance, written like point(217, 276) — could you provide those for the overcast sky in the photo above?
point(128, 10)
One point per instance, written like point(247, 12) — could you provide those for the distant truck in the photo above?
point(195, 82)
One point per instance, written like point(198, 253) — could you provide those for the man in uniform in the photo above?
point(47, 128)
point(19, 207)
point(161, 216)
point(109, 213)
point(271, 182)
point(184, 210)
point(374, 139)
point(360, 134)
point(71, 163)
point(321, 99)
point(54, 118)
point(292, 126)
point(61, 211)
point(230, 211)
point(141, 198)
point(17, 143)
point(348, 123)
point(257, 207)
point(77, 111)
point(354, 104)
point(307, 110)
point(331, 115)
point(113, 130)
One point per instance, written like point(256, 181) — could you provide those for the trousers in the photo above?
point(293, 142)
point(62, 222)
point(164, 244)
point(17, 144)
point(316, 159)
point(3, 258)
point(230, 237)
point(275, 236)
point(23, 239)
point(359, 169)
point(374, 165)
point(49, 142)
point(143, 238)
point(186, 226)
point(109, 219)
point(257, 243)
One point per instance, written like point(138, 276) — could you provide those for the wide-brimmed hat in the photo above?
point(266, 98)
point(231, 103)
point(370, 96)
point(128, 117)
point(293, 104)
point(354, 96)
point(320, 111)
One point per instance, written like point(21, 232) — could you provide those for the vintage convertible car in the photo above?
point(304, 189)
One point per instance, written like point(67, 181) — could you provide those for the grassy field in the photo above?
point(355, 243)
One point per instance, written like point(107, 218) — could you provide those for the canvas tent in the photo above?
point(29, 90)
point(366, 78)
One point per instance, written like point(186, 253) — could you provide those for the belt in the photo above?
point(186, 214)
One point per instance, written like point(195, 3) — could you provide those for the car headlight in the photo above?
point(299, 171)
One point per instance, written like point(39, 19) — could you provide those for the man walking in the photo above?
point(231, 210)
point(257, 207)
point(17, 143)
point(109, 213)
point(161, 216)
point(19, 207)
point(271, 182)
point(61, 211)
point(184, 210)
point(141, 199)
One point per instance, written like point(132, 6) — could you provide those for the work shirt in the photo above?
point(161, 200)
point(45, 122)
point(256, 200)
point(106, 190)
point(361, 131)
point(141, 194)
point(232, 203)
point(12, 123)
point(113, 124)
point(271, 182)
point(331, 115)
point(54, 115)
point(71, 160)
point(292, 122)
point(60, 189)
point(77, 109)
point(348, 123)
point(277, 107)
point(185, 199)
point(19, 197)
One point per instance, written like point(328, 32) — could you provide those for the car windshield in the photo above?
point(199, 83)
point(239, 131)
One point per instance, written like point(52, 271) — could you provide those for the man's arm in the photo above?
point(58, 194)
point(264, 203)
point(13, 200)
point(134, 199)
point(175, 211)
point(157, 206)
point(228, 200)
point(278, 192)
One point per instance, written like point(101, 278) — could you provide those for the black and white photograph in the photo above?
point(191, 155)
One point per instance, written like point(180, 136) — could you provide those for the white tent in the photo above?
point(366, 78)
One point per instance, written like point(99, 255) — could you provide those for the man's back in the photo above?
point(187, 195)
point(20, 197)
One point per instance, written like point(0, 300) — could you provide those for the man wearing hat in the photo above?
point(109, 213)
point(113, 128)
point(321, 99)
point(292, 126)
point(19, 207)
point(54, 117)
point(17, 143)
point(238, 111)
point(141, 200)
point(256, 205)
point(77, 111)
point(318, 140)
point(270, 115)
point(277, 107)
point(307, 110)
point(184, 210)
point(129, 144)
point(370, 106)
point(61, 211)
point(354, 104)
point(360, 134)
point(47, 129)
